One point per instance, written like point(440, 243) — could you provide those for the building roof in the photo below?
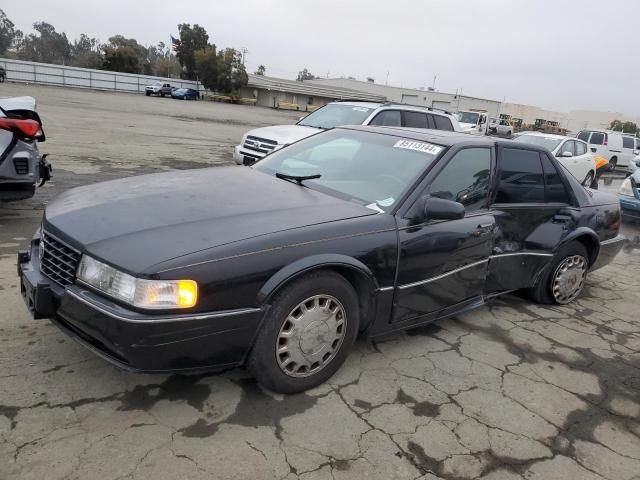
point(303, 88)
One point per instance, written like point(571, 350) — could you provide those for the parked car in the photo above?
point(574, 154)
point(475, 123)
point(185, 94)
point(619, 149)
point(22, 167)
point(500, 127)
point(158, 88)
point(259, 142)
point(629, 195)
point(3, 74)
point(357, 230)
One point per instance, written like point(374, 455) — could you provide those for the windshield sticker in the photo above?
point(360, 109)
point(375, 207)
point(387, 202)
point(418, 146)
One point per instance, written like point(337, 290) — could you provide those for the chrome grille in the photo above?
point(58, 261)
point(261, 146)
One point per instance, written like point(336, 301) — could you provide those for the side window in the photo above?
point(387, 118)
point(415, 120)
point(430, 122)
point(584, 135)
point(581, 148)
point(521, 178)
point(465, 179)
point(597, 138)
point(568, 146)
point(443, 123)
point(554, 188)
point(627, 142)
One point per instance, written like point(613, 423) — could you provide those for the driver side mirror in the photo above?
point(434, 208)
point(566, 154)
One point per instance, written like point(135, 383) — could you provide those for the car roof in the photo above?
point(392, 105)
point(547, 135)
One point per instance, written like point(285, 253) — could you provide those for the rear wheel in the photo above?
point(564, 280)
point(613, 163)
point(307, 335)
point(588, 180)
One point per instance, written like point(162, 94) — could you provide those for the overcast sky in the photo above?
point(556, 54)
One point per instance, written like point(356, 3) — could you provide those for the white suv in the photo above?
point(261, 141)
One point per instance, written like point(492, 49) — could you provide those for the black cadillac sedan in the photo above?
point(280, 266)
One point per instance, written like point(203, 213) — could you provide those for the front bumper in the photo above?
point(136, 341)
point(608, 251)
point(243, 157)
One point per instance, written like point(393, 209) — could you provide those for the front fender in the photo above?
point(307, 264)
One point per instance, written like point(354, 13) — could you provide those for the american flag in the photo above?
point(174, 43)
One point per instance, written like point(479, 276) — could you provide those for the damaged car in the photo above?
point(22, 167)
point(357, 231)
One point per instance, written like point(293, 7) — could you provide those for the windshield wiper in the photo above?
point(297, 178)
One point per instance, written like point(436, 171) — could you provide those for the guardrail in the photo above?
point(61, 75)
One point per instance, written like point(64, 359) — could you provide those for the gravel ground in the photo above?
point(510, 391)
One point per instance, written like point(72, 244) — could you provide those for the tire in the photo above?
point(547, 289)
point(278, 361)
point(162, 94)
point(613, 163)
point(148, 94)
point(1, 78)
point(588, 180)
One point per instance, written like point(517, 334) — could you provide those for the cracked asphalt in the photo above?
point(514, 390)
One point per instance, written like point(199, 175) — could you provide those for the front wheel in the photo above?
point(564, 280)
point(307, 334)
point(613, 163)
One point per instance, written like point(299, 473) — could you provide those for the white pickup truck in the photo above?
point(473, 123)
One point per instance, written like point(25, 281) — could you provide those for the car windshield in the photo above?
point(181, 90)
point(549, 143)
point(336, 115)
point(467, 117)
point(363, 167)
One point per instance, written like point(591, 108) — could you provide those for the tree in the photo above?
point(624, 127)
point(261, 70)
point(8, 33)
point(47, 46)
point(305, 74)
point(206, 67)
point(120, 59)
point(85, 52)
point(232, 75)
point(191, 40)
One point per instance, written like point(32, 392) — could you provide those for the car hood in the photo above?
point(137, 222)
point(284, 134)
point(466, 126)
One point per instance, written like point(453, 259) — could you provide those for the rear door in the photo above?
point(387, 118)
point(443, 264)
point(628, 146)
point(532, 211)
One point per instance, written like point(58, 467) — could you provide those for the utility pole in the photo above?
point(387, 80)
point(433, 86)
point(244, 53)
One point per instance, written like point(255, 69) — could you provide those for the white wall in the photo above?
point(48, 74)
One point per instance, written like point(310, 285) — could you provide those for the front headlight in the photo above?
point(153, 294)
point(626, 188)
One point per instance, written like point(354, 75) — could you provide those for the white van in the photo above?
point(618, 148)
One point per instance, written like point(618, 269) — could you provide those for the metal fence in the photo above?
point(49, 74)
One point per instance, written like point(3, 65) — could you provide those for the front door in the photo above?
point(443, 264)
